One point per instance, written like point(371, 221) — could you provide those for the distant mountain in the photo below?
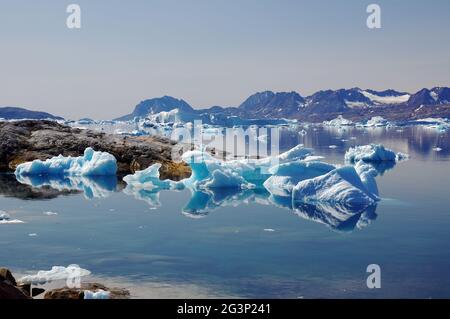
point(275, 105)
point(354, 103)
point(435, 96)
point(157, 105)
point(17, 113)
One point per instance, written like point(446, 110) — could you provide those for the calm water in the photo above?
point(179, 244)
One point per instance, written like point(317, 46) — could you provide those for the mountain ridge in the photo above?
point(323, 105)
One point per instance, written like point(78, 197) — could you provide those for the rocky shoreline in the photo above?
point(13, 290)
point(27, 140)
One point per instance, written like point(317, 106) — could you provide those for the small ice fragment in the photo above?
point(270, 230)
point(437, 149)
point(50, 213)
point(33, 235)
point(332, 146)
point(99, 294)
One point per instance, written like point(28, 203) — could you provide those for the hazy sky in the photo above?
point(212, 52)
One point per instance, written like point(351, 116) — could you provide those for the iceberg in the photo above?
point(286, 176)
point(148, 179)
point(376, 121)
point(6, 219)
point(92, 163)
point(372, 153)
point(342, 185)
point(339, 121)
point(56, 273)
point(145, 185)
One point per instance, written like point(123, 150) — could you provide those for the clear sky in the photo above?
point(212, 52)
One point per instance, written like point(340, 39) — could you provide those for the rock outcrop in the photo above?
point(27, 140)
point(78, 293)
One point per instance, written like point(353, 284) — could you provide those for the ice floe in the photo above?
point(372, 153)
point(92, 163)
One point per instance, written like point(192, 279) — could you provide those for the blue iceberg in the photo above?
point(92, 163)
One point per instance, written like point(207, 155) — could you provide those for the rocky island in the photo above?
point(28, 140)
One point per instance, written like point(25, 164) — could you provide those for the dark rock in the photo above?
point(8, 291)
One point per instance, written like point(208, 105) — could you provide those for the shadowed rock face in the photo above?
point(28, 140)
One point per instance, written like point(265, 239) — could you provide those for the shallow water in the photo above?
point(178, 244)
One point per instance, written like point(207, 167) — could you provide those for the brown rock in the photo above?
point(78, 293)
point(6, 276)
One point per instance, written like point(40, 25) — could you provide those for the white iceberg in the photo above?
point(148, 179)
point(286, 176)
point(339, 121)
point(92, 163)
point(377, 121)
point(342, 185)
point(372, 153)
point(145, 185)
point(56, 273)
point(6, 219)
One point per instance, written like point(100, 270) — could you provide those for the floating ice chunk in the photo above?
point(224, 179)
point(56, 273)
point(270, 230)
point(92, 163)
point(99, 294)
point(372, 153)
point(332, 146)
point(6, 219)
point(145, 185)
point(210, 172)
point(339, 121)
point(377, 121)
point(50, 213)
point(148, 179)
point(286, 176)
point(342, 185)
point(437, 149)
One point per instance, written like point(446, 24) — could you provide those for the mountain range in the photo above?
point(17, 113)
point(354, 103)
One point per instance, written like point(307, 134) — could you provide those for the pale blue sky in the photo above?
point(212, 52)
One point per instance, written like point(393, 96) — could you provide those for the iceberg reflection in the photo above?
point(92, 187)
